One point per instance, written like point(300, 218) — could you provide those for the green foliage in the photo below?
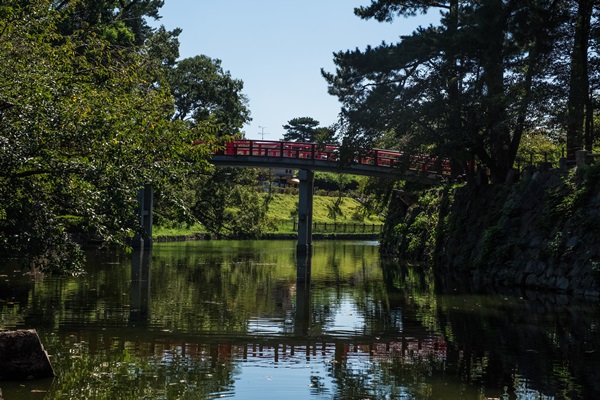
point(537, 147)
point(557, 245)
point(495, 247)
point(118, 34)
point(174, 229)
point(123, 22)
point(283, 207)
point(575, 191)
point(227, 203)
point(334, 210)
point(464, 89)
point(84, 123)
point(300, 129)
point(203, 90)
point(375, 193)
point(162, 46)
point(417, 231)
point(489, 246)
point(306, 129)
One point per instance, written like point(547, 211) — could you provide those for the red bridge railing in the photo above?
point(331, 153)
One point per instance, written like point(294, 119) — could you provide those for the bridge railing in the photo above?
point(331, 153)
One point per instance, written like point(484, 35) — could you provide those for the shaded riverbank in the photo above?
point(541, 232)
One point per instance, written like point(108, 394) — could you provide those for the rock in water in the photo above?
point(22, 356)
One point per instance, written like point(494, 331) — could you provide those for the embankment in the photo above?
point(541, 232)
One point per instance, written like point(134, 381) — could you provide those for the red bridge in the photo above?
point(312, 156)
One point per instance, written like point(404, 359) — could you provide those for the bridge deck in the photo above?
point(294, 155)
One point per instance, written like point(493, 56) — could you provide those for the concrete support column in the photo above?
point(145, 199)
point(305, 211)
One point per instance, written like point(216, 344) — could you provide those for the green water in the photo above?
point(250, 320)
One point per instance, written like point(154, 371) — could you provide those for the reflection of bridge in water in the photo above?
point(295, 342)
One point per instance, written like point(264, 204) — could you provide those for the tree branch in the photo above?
point(33, 172)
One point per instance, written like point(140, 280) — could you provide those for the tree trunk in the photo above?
point(460, 155)
point(589, 124)
point(536, 49)
point(493, 24)
point(579, 79)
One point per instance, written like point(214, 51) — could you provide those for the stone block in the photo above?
point(22, 356)
point(531, 281)
point(572, 242)
point(519, 278)
point(562, 284)
point(592, 294)
point(550, 282)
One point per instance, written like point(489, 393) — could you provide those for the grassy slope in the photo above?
point(280, 210)
point(282, 205)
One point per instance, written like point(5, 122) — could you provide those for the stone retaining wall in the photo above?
point(542, 232)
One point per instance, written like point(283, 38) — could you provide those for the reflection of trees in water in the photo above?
point(109, 368)
point(552, 346)
point(499, 341)
point(230, 288)
point(411, 341)
point(213, 295)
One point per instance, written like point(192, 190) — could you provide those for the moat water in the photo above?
point(251, 320)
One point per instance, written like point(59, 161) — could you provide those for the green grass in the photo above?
point(177, 230)
point(350, 210)
point(280, 211)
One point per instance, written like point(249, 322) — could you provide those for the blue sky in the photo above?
point(277, 48)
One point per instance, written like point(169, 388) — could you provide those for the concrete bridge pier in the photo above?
point(145, 205)
point(305, 211)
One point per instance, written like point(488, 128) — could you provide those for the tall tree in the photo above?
point(307, 129)
point(203, 90)
point(121, 21)
point(227, 203)
point(461, 89)
point(579, 84)
point(82, 126)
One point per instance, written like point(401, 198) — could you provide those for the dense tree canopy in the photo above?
point(86, 119)
point(202, 89)
point(121, 22)
point(228, 204)
point(470, 87)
